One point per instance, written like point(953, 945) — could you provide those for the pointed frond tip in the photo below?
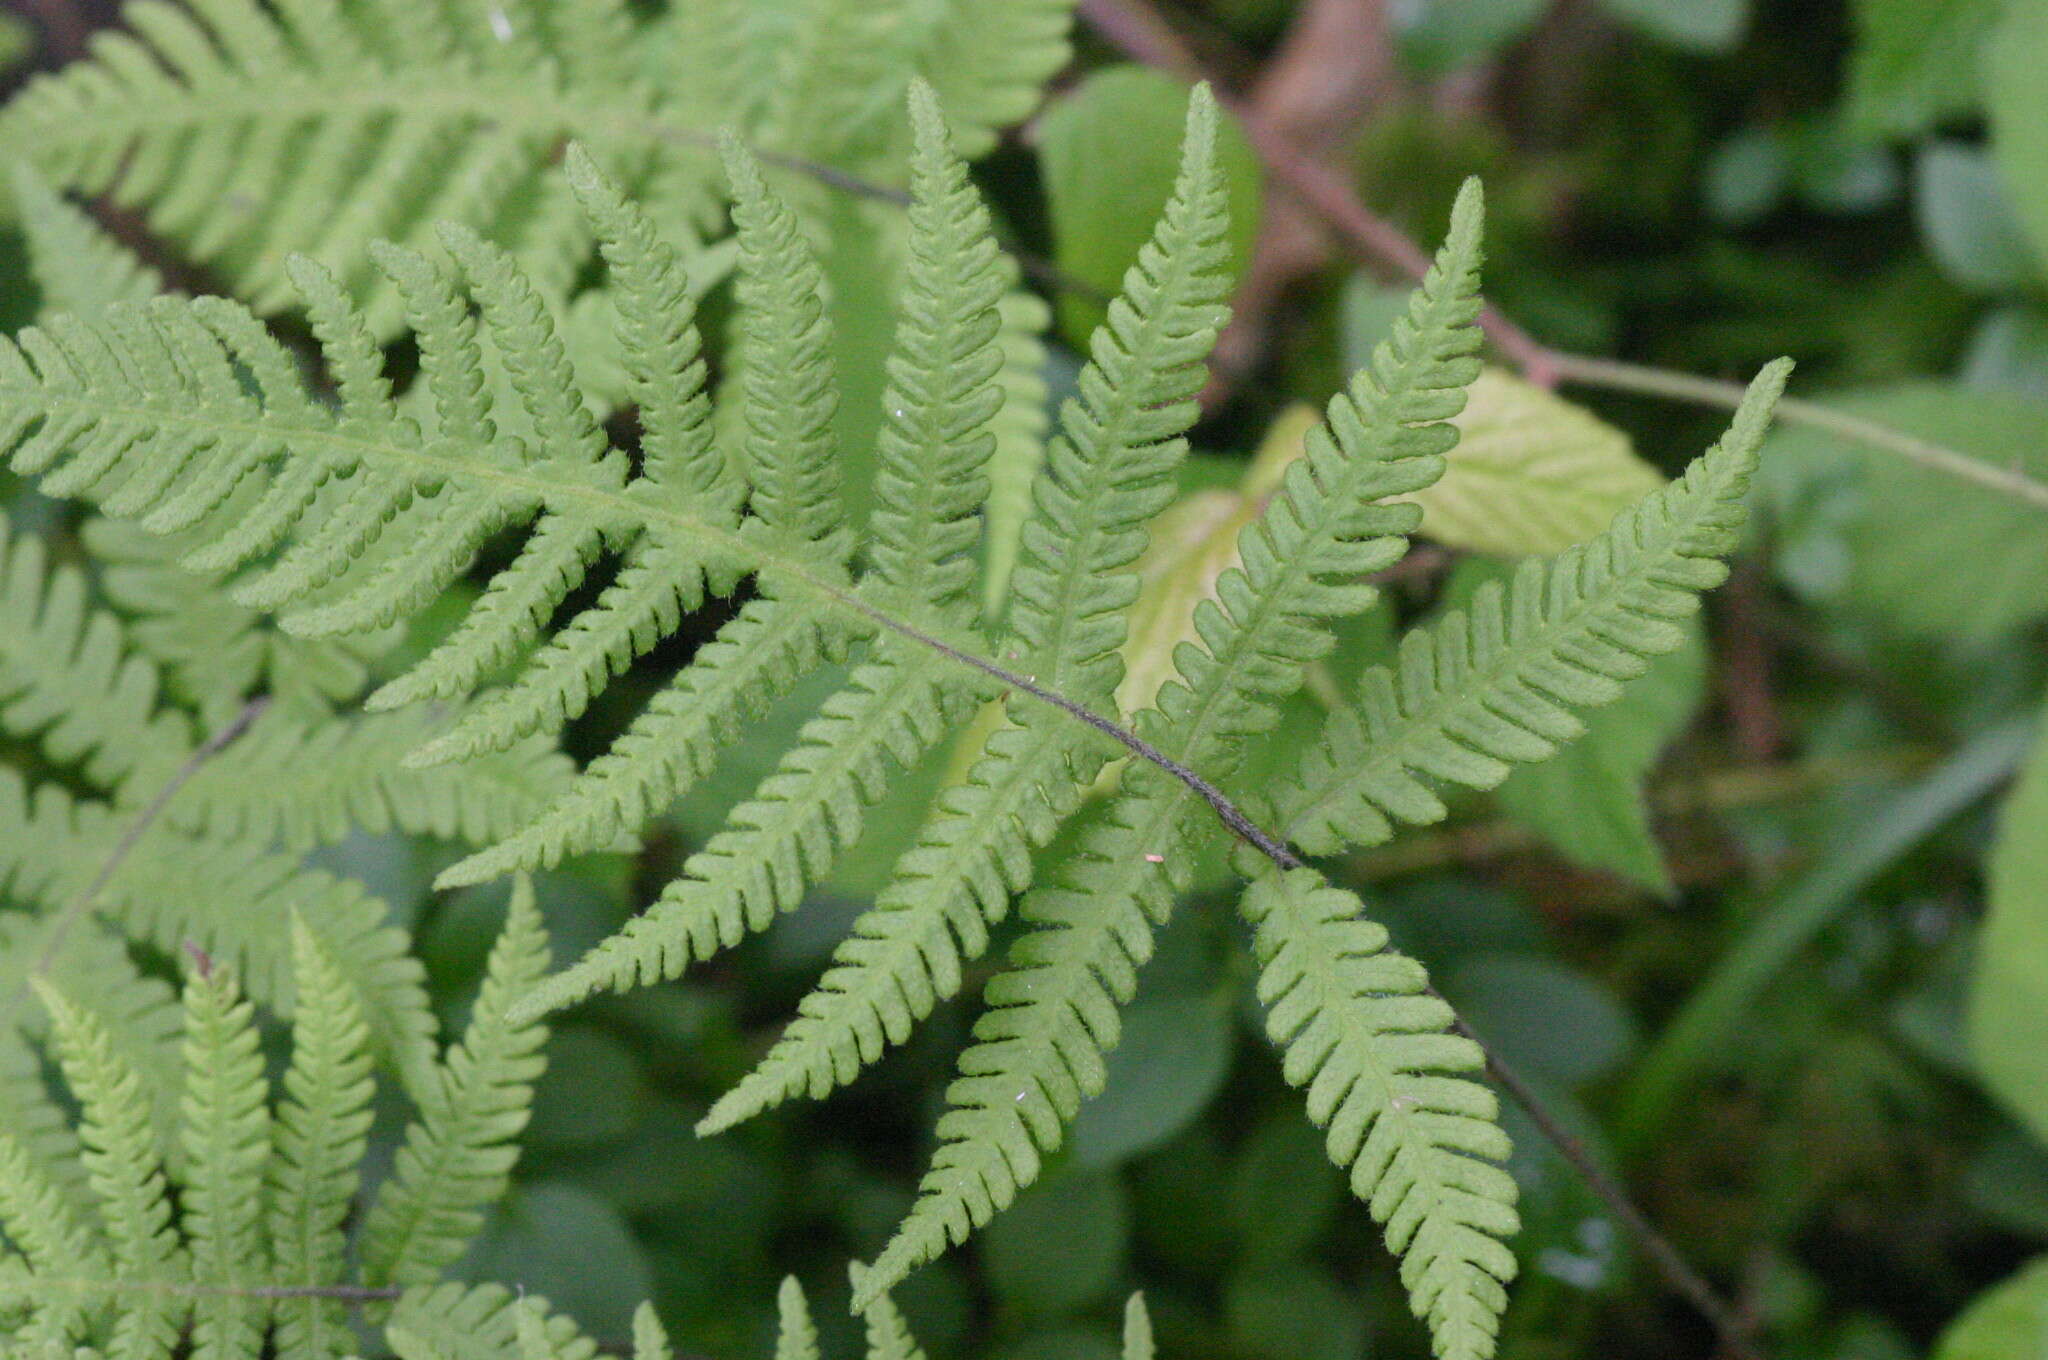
point(1385, 1076)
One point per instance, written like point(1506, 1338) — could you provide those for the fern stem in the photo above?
point(221, 739)
point(1620, 376)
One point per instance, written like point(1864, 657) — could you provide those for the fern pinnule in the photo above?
point(662, 349)
point(1385, 1077)
point(227, 1144)
point(1496, 684)
point(1137, 1330)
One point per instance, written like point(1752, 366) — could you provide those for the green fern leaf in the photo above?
point(650, 1341)
point(127, 1178)
point(888, 1335)
point(322, 1126)
point(1384, 1076)
point(1110, 472)
point(1480, 690)
point(458, 1157)
point(76, 266)
point(1137, 1330)
point(227, 1143)
point(1038, 1049)
point(796, 1337)
point(478, 1322)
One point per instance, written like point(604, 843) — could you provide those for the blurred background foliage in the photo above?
point(1738, 936)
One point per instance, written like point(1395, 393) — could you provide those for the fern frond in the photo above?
point(1385, 1079)
point(457, 1158)
point(68, 680)
point(888, 1335)
point(783, 838)
point(942, 390)
point(127, 1178)
point(322, 1126)
point(650, 1340)
point(675, 740)
point(76, 266)
point(139, 1014)
point(783, 354)
point(1483, 689)
point(1109, 473)
point(229, 899)
point(248, 135)
point(479, 1322)
point(302, 782)
point(796, 1336)
point(227, 1143)
point(55, 1242)
point(941, 394)
point(1137, 1330)
point(1039, 1048)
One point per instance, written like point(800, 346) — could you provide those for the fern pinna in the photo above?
point(348, 515)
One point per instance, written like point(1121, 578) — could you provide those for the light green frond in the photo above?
point(1109, 473)
point(785, 837)
point(658, 339)
point(479, 1322)
point(139, 1014)
point(1306, 554)
point(1051, 1015)
point(674, 741)
point(301, 782)
point(1111, 469)
point(322, 1125)
point(907, 952)
point(1039, 1048)
point(328, 126)
point(56, 1243)
point(889, 1336)
point(942, 394)
point(226, 1138)
point(457, 1157)
point(796, 1338)
point(126, 1173)
point(783, 356)
point(68, 679)
point(212, 652)
point(76, 266)
point(650, 1340)
point(1385, 1079)
point(1495, 685)
point(1137, 1330)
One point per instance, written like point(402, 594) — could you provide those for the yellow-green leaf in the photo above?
point(1532, 473)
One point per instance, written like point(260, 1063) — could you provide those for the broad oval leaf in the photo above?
point(1532, 473)
point(2009, 994)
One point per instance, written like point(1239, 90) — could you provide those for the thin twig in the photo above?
point(1141, 33)
point(138, 828)
point(1733, 1328)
